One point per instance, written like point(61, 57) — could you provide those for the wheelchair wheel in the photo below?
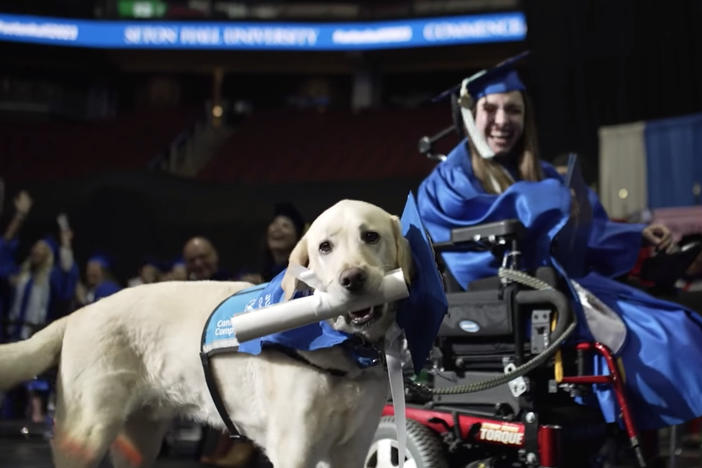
point(424, 448)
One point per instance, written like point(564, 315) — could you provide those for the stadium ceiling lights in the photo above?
point(238, 35)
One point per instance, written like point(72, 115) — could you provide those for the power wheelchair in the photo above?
point(470, 413)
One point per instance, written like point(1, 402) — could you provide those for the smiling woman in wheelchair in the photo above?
point(494, 174)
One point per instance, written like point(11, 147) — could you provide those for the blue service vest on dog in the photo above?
point(218, 336)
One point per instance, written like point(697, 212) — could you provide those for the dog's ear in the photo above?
point(298, 256)
point(404, 253)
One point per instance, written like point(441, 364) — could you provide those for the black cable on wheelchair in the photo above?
point(497, 381)
point(525, 368)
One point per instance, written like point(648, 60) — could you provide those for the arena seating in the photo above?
point(310, 145)
point(285, 145)
point(55, 150)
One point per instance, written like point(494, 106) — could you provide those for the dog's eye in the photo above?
point(370, 237)
point(325, 247)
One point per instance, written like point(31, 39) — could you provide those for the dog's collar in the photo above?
point(361, 351)
point(364, 353)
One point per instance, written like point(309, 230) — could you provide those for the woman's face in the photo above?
point(281, 234)
point(500, 119)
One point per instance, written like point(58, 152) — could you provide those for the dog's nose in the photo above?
point(353, 279)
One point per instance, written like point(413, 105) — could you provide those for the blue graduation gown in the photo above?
point(662, 354)
point(104, 289)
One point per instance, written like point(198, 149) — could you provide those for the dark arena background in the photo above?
point(143, 147)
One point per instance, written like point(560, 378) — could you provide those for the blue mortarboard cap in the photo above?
point(501, 78)
point(496, 80)
point(420, 315)
point(53, 245)
point(101, 259)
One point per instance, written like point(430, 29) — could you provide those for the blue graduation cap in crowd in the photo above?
point(420, 315)
point(102, 259)
point(51, 241)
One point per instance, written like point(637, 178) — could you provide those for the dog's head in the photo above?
point(350, 247)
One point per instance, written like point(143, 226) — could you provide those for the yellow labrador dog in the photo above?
point(130, 363)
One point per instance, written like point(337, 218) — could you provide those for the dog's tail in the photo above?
point(26, 359)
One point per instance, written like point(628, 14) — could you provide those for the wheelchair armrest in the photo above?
point(665, 269)
point(554, 297)
point(482, 236)
point(505, 228)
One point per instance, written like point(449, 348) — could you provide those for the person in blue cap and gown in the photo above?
point(98, 280)
point(40, 291)
point(42, 286)
point(495, 174)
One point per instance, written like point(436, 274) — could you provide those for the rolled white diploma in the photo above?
point(311, 309)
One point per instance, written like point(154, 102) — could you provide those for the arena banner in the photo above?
point(426, 32)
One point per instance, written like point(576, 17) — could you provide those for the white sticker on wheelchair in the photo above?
point(604, 324)
point(517, 386)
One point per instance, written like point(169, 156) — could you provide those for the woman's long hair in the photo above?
point(492, 175)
